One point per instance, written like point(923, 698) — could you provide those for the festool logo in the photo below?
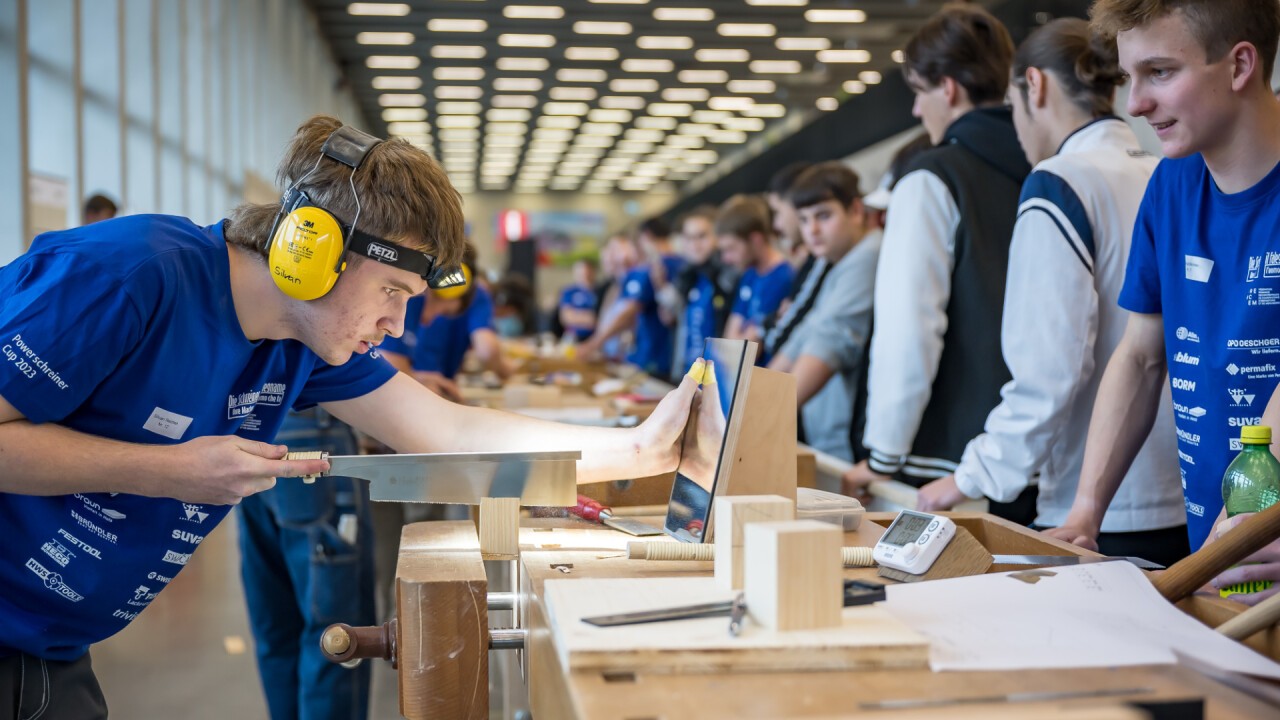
point(1180, 384)
point(382, 252)
point(1186, 359)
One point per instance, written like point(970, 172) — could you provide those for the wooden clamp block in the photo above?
point(793, 575)
point(733, 513)
point(500, 526)
point(962, 557)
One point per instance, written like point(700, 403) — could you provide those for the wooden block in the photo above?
point(963, 556)
point(793, 576)
point(732, 515)
point(500, 526)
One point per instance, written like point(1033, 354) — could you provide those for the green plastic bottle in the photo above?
point(1251, 484)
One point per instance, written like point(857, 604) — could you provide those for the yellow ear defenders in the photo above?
point(453, 292)
point(307, 244)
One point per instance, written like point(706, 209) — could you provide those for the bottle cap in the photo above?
point(1255, 435)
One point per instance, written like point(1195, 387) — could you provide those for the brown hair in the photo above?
point(1216, 24)
point(706, 212)
point(1084, 63)
point(404, 195)
point(967, 44)
point(742, 215)
point(831, 180)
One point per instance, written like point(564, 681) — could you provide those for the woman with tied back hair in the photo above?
point(1061, 321)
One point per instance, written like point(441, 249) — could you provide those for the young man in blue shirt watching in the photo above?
point(744, 234)
point(578, 303)
point(1203, 280)
point(653, 348)
point(150, 362)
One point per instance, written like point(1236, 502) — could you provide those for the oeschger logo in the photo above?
point(1247, 343)
point(1187, 335)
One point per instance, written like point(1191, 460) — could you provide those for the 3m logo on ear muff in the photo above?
point(305, 254)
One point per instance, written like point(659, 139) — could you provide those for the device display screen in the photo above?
point(906, 529)
point(703, 442)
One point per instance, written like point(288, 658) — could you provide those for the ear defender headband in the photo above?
point(307, 244)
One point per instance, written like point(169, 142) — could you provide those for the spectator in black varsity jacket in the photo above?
point(936, 369)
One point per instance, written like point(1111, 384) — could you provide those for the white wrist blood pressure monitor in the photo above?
point(914, 541)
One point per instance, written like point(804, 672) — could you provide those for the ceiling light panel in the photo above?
point(714, 55)
point(622, 102)
point(745, 124)
point(775, 67)
point(835, 16)
point(404, 114)
point(640, 85)
point(686, 94)
point(523, 64)
point(458, 92)
point(567, 122)
point(827, 104)
point(469, 25)
point(392, 62)
point(514, 101)
point(590, 27)
point(573, 93)
point(384, 38)
point(765, 111)
point(524, 40)
point(382, 9)
point(663, 42)
point(870, 77)
point(564, 108)
point(598, 128)
point(462, 135)
point(457, 73)
point(401, 100)
point(582, 75)
point(737, 104)
point(683, 14)
point(591, 54)
point(656, 123)
point(506, 128)
point(601, 115)
point(746, 30)
point(752, 87)
point(457, 121)
point(507, 84)
point(711, 116)
point(457, 52)
point(648, 65)
point(704, 77)
point(844, 56)
point(854, 87)
point(670, 109)
point(409, 128)
point(458, 108)
point(533, 12)
point(546, 133)
point(802, 43)
point(394, 82)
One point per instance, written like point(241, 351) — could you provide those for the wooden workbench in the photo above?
point(441, 562)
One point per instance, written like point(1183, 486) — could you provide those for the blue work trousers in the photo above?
point(303, 570)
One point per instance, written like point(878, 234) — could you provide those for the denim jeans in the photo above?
point(302, 574)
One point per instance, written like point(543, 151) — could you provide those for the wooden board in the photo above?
point(869, 637)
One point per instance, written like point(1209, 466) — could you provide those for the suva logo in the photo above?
point(382, 252)
point(1243, 421)
point(1180, 384)
point(1185, 334)
point(1186, 359)
point(185, 536)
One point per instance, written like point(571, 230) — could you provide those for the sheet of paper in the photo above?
point(1099, 615)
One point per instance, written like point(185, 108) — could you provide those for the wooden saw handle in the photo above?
point(1259, 617)
point(1188, 575)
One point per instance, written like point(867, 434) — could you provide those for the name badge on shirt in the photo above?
point(1199, 268)
point(167, 423)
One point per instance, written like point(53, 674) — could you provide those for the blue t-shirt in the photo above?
point(699, 318)
point(653, 348)
point(1210, 263)
point(126, 329)
point(578, 297)
point(441, 345)
point(760, 295)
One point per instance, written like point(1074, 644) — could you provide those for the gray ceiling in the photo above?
point(646, 136)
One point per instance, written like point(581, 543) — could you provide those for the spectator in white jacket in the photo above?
point(1061, 321)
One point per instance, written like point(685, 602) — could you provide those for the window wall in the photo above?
point(168, 106)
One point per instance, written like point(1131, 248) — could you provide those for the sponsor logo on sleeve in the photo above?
point(1255, 268)
point(188, 537)
point(93, 529)
point(1240, 397)
point(1252, 371)
point(142, 596)
point(192, 513)
point(53, 581)
point(1185, 457)
point(1186, 358)
point(176, 558)
point(58, 552)
point(96, 508)
point(1190, 413)
point(1186, 335)
point(1195, 509)
point(166, 579)
point(1235, 445)
point(1192, 439)
point(1243, 421)
point(1198, 268)
point(124, 615)
point(1183, 384)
